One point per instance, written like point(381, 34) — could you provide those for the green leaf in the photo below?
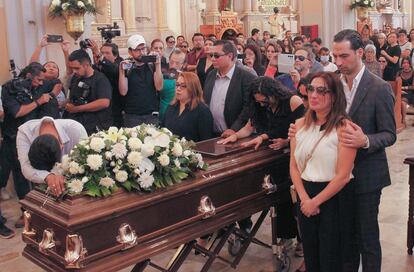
point(92, 189)
point(127, 185)
point(105, 191)
point(114, 188)
point(167, 180)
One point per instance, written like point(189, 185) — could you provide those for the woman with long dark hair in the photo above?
point(320, 168)
point(253, 59)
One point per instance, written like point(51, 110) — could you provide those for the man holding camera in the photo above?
point(139, 81)
point(107, 61)
point(24, 98)
point(90, 94)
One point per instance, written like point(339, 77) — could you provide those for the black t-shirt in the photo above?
point(141, 98)
point(13, 101)
point(100, 88)
point(195, 125)
point(111, 71)
point(391, 69)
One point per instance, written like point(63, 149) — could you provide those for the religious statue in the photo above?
point(226, 5)
point(276, 23)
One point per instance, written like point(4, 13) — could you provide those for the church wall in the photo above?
point(174, 16)
point(4, 56)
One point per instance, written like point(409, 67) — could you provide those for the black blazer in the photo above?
point(373, 110)
point(236, 107)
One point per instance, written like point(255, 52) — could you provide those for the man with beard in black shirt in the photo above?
point(90, 94)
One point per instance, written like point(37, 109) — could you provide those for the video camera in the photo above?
point(17, 86)
point(83, 99)
point(109, 32)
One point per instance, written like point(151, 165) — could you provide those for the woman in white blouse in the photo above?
point(320, 168)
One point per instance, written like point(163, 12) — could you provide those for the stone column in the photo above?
point(247, 6)
point(255, 6)
point(161, 15)
point(213, 6)
point(294, 5)
point(128, 9)
point(395, 5)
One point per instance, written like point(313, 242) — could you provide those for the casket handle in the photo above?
point(75, 252)
point(206, 208)
point(268, 185)
point(28, 231)
point(127, 236)
point(48, 241)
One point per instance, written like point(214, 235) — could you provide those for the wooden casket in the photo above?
point(91, 234)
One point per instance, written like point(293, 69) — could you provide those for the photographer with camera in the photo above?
point(24, 98)
point(107, 61)
point(90, 94)
point(139, 81)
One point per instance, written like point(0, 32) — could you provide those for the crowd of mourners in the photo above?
point(229, 88)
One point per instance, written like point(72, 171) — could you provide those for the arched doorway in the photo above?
point(230, 32)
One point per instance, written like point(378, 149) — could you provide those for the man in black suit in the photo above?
point(226, 89)
point(370, 105)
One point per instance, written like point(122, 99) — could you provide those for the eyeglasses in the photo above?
point(183, 46)
point(322, 90)
point(383, 61)
point(216, 55)
point(182, 85)
point(301, 58)
point(171, 42)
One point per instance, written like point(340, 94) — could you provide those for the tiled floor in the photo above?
point(393, 224)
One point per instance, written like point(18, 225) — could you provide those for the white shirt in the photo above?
point(218, 99)
point(321, 167)
point(350, 93)
point(70, 133)
point(330, 67)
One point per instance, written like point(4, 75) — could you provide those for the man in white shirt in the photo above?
point(328, 66)
point(41, 143)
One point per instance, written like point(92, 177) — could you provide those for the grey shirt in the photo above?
point(218, 99)
point(70, 133)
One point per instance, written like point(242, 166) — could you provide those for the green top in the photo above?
point(166, 96)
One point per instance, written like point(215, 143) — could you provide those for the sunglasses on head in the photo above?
point(301, 58)
point(321, 90)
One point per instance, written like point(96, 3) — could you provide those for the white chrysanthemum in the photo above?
point(85, 180)
point(121, 176)
point(75, 186)
point(65, 163)
point(108, 155)
point(97, 144)
point(65, 6)
point(94, 161)
point(107, 182)
point(119, 150)
point(177, 163)
point(200, 160)
point(80, 4)
point(151, 131)
point(187, 153)
point(55, 3)
point(177, 150)
point(167, 131)
point(73, 168)
point(134, 134)
point(134, 143)
point(161, 139)
point(164, 160)
point(112, 163)
point(183, 140)
point(146, 165)
point(137, 171)
point(146, 180)
point(115, 170)
point(134, 158)
point(81, 170)
point(147, 149)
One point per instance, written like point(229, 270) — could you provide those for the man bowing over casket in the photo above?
point(41, 143)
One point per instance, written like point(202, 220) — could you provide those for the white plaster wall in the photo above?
point(174, 16)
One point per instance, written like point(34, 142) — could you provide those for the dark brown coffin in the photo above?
point(162, 220)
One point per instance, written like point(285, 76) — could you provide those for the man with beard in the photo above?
point(90, 94)
point(196, 53)
point(140, 83)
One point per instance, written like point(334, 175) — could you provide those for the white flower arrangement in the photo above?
point(142, 158)
point(362, 4)
point(57, 7)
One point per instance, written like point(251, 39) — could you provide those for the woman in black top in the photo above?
point(406, 76)
point(254, 58)
point(287, 47)
point(272, 110)
point(392, 55)
point(204, 65)
point(381, 44)
point(187, 115)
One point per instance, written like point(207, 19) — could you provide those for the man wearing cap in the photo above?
point(139, 82)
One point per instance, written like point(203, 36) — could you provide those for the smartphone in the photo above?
point(149, 58)
point(54, 38)
point(126, 65)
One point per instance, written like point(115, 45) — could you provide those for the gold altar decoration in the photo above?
point(362, 13)
point(75, 24)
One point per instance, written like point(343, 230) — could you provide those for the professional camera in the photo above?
point(19, 87)
point(83, 99)
point(109, 32)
